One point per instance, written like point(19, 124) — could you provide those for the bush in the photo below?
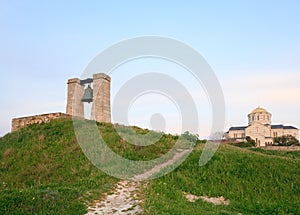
point(190, 137)
point(286, 140)
point(250, 141)
point(242, 144)
point(202, 141)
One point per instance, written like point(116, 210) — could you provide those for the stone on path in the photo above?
point(123, 200)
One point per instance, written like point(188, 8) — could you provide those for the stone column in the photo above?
point(75, 93)
point(101, 98)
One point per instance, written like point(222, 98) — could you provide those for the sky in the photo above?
point(252, 46)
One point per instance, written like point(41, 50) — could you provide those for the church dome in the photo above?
point(259, 110)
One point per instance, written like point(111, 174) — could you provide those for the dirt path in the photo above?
point(157, 168)
point(124, 200)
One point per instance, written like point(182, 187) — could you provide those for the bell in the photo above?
point(88, 95)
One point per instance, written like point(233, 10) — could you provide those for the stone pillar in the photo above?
point(101, 98)
point(75, 93)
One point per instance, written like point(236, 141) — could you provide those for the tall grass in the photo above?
point(44, 171)
point(254, 184)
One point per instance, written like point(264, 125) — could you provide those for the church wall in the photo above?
point(278, 132)
point(293, 132)
point(237, 134)
point(258, 132)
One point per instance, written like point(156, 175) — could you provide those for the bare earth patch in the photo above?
point(123, 200)
point(214, 200)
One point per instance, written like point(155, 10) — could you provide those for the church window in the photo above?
point(257, 117)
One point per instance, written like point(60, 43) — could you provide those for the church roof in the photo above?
point(282, 126)
point(239, 128)
point(259, 110)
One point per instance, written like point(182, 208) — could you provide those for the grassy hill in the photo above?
point(255, 183)
point(43, 171)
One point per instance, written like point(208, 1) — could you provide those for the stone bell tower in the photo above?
point(100, 96)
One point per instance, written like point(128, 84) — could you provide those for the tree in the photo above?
point(219, 135)
point(250, 141)
point(285, 140)
point(190, 137)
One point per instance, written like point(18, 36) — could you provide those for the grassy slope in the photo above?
point(254, 183)
point(43, 170)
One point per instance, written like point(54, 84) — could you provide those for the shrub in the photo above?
point(242, 144)
point(286, 140)
point(190, 137)
point(250, 141)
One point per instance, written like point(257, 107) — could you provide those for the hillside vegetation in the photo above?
point(43, 171)
point(254, 183)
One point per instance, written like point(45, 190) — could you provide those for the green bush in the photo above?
point(190, 137)
point(249, 143)
point(286, 140)
point(242, 144)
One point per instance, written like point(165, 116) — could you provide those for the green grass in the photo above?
point(288, 154)
point(254, 184)
point(44, 171)
point(131, 151)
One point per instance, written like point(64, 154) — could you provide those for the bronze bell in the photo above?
point(88, 95)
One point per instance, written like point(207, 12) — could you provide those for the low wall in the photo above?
point(22, 122)
point(282, 148)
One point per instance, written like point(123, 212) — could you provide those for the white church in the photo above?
point(260, 129)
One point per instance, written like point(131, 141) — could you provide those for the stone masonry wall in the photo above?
point(282, 148)
point(75, 92)
point(22, 122)
point(101, 111)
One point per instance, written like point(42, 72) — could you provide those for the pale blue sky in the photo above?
point(253, 47)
